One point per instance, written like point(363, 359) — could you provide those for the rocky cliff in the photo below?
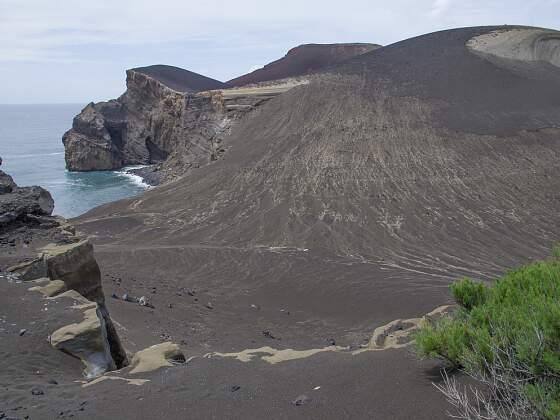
point(140, 127)
point(177, 119)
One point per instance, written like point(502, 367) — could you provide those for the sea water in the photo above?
point(33, 154)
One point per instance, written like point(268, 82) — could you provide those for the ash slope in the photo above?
point(304, 60)
point(347, 202)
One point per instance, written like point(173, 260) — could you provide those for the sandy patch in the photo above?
point(396, 334)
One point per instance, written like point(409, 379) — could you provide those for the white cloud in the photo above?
point(439, 7)
point(220, 38)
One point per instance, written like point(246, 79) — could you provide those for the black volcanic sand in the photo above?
point(338, 207)
point(179, 79)
point(35, 380)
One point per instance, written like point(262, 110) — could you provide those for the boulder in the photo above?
point(22, 201)
point(74, 264)
point(7, 184)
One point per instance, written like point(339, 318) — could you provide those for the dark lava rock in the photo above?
point(37, 391)
point(235, 388)
point(268, 334)
point(7, 184)
point(23, 201)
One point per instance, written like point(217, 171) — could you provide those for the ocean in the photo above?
point(33, 154)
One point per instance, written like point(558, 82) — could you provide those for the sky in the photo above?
point(69, 51)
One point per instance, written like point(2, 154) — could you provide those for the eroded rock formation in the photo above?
point(60, 265)
point(86, 339)
point(177, 119)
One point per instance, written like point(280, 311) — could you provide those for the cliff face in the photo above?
point(152, 123)
point(178, 119)
point(138, 128)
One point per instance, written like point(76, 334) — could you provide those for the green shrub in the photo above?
point(468, 293)
point(506, 335)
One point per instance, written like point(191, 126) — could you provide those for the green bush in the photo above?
point(506, 335)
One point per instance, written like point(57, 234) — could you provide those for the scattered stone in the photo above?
point(37, 391)
point(301, 400)
point(331, 341)
point(22, 332)
point(255, 306)
point(143, 301)
point(127, 298)
point(52, 382)
point(268, 334)
point(235, 388)
point(209, 305)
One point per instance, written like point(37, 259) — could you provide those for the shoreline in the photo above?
point(144, 175)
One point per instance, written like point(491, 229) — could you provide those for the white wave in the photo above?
point(136, 179)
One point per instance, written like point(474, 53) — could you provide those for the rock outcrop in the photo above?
point(145, 125)
point(61, 265)
point(524, 44)
point(20, 202)
point(7, 184)
point(176, 120)
point(73, 264)
point(86, 339)
point(70, 270)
